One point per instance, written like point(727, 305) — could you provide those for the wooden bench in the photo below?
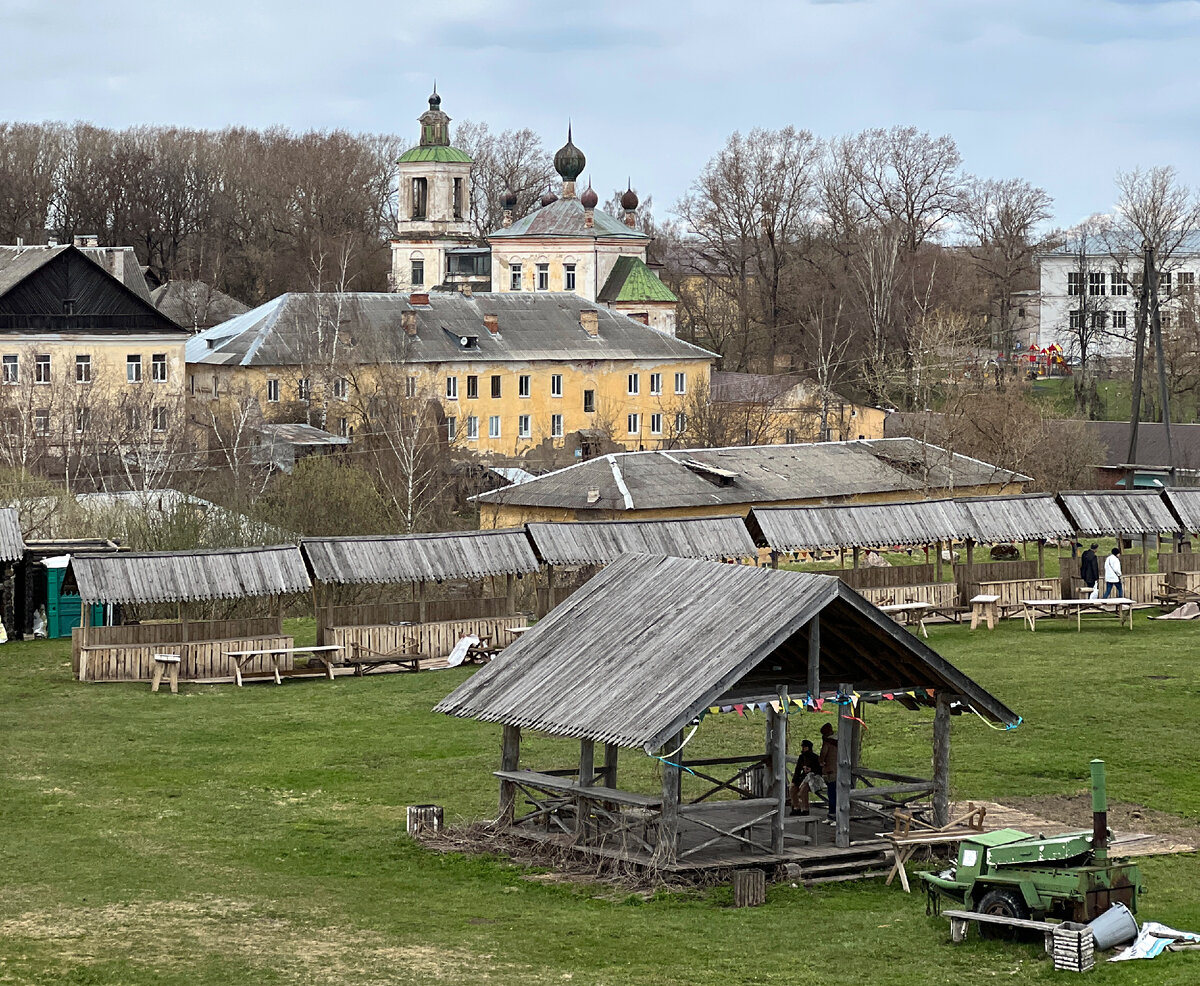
point(1034, 607)
point(243, 657)
point(984, 607)
point(960, 921)
point(169, 663)
point(909, 611)
point(365, 660)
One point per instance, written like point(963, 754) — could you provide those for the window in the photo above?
point(272, 391)
point(418, 273)
point(451, 428)
point(680, 422)
point(1096, 283)
point(1076, 319)
point(133, 418)
point(158, 367)
point(634, 385)
point(589, 402)
point(472, 388)
point(514, 277)
point(410, 386)
point(1074, 282)
point(568, 277)
point(556, 385)
point(451, 388)
point(789, 436)
point(160, 419)
point(41, 421)
point(133, 369)
point(656, 424)
point(341, 388)
point(543, 277)
point(681, 383)
point(1118, 321)
point(216, 387)
point(303, 389)
point(1098, 320)
point(634, 423)
point(420, 197)
point(523, 428)
point(655, 384)
point(343, 428)
point(1120, 282)
point(494, 426)
point(83, 368)
point(556, 429)
point(1164, 319)
point(83, 418)
point(458, 198)
point(192, 383)
point(41, 368)
point(1164, 281)
point(12, 369)
point(495, 387)
point(472, 428)
point(523, 385)
point(1185, 282)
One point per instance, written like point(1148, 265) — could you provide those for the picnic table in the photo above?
point(906, 612)
point(1122, 606)
point(243, 657)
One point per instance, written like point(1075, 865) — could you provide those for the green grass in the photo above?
point(255, 835)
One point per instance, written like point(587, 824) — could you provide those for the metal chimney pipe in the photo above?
point(1099, 812)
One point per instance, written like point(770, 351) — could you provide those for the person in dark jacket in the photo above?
point(1089, 568)
point(807, 778)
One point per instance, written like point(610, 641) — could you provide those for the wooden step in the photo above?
point(842, 878)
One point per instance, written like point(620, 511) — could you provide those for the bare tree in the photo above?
point(514, 160)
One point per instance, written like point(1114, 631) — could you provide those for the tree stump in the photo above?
point(749, 888)
point(424, 818)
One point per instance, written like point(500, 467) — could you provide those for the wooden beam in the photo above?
point(421, 602)
point(856, 555)
point(1041, 559)
point(937, 562)
point(668, 824)
point(845, 738)
point(941, 759)
point(510, 593)
point(610, 764)
point(510, 758)
point(551, 602)
point(587, 762)
point(814, 658)
point(777, 731)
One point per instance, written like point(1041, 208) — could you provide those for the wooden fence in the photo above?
point(884, 578)
point(198, 658)
point(410, 611)
point(1178, 561)
point(939, 595)
point(1013, 591)
point(1143, 588)
point(1132, 563)
point(432, 640)
point(172, 633)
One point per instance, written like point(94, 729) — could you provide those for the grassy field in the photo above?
point(228, 836)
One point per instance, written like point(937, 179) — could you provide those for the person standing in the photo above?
point(828, 760)
point(807, 778)
point(1112, 574)
point(1089, 569)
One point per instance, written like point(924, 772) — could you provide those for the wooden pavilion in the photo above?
point(176, 596)
point(637, 659)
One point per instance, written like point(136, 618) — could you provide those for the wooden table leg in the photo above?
point(157, 679)
point(237, 672)
point(175, 679)
point(275, 668)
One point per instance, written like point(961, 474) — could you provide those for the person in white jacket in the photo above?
point(1112, 574)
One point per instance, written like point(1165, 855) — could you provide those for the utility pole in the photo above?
point(1139, 347)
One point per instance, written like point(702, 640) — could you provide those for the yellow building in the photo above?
point(92, 373)
point(715, 482)
point(782, 409)
point(501, 373)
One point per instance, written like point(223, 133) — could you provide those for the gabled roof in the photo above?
point(565, 217)
point(12, 542)
point(419, 557)
point(1110, 512)
point(631, 280)
point(533, 326)
point(601, 542)
point(652, 642)
point(109, 258)
point(1185, 504)
point(196, 305)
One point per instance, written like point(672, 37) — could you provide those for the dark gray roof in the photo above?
point(565, 217)
point(12, 542)
point(1152, 443)
point(1030, 517)
point(1185, 504)
point(533, 326)
point(419, 557)
point(859, 525)
point(196, 305)
point(761, 474)
point(651, 642)
point(1112, 512)
point(17, 263)
point(731, 387)
point(296, 433)
point(600, 543)
point(187, 576)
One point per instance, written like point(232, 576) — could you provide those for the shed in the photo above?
point(601, 542)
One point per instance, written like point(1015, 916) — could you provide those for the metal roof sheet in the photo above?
point(859, 525)
point(1029, 517)
point(651, 642)
point(1114, 512)
point(565, 217)
point(601, 542)
point(187, 576)
point(419, 557)
point(1185, 504)
point(631, 280)
point(12, 542)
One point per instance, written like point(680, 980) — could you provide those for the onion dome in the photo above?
point(549, 197)
point(589, 199)
point(629, 199)
point(508, 199)
point(435, 101)
point(569, 161)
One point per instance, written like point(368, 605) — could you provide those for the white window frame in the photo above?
point(523, 385)
point(417, 273)
point(159, 368)
point(556, 426)
point(41, 422)
point(514, 277)
point(272, 390)
point(159, 419)
point(633, 423)
point(493, 426)
point(343, 428)
point(1075, 283)
point(543, 277)
point(133, 368)
point(451, 388)
point(83, 418)
point(680, 422)
point(655, 384)
point(1120, 319)
point(556, 387)
point(1096, 283)
point(42, 368)
point(524, 426)
point(680, 383)
point(12, 369)
point(410, 386)
point(655, 423)
point(568, 277)
point(633, 384)
point(451, 427)
point(341, 388)
point(83, 367)
point(304, 389)
point(472, 428)
point(1120, 283)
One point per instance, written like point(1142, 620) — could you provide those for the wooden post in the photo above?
point(749, 887)
point(814, 659)
point(856, 745)
point(510, 593)
point(668, 825)
point(777, 731)
point(941, 759)
point(845, 738)
point(856, 553)
point(183, 629)
point(587, 762)
point(551, 602)
point(1041, 559)
point(610, 764)
point(510, 758)
point(421, 602)
point(937, 561)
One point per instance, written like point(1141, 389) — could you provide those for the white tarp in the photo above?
point(1152, 940)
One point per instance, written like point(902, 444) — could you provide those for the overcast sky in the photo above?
point(1062, 92)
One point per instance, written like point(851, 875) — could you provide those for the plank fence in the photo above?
point(198, 659)
point(941, 596)
point(410, 611)
point(432, 640)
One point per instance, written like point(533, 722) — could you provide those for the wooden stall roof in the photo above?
point(601, 542)
point(1028, 517)
point(1185, 505)
point(12, 543)
point(1113, 512)
point(651, 642)
point(187, 576)
point(419, 557)
point(862, 525)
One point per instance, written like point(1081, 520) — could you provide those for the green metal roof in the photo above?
point(435, 153)
point(632, 280)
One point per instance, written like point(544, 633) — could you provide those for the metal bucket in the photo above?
point(1114, 927)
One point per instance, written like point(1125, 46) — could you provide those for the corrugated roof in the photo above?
point(533, 326)
point(565, 217)
point(600, 543)
point(187, 576)
point(1185, 504)
point(1029, 517)
point(859, 525)
point(651, 642)
point(419, 557)
point(1113, 512)
point(12, 542)
point(631, 280)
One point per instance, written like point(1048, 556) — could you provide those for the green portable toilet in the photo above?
point(64, 611)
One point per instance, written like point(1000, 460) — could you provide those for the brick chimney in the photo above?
point(589, 318)
point(492, 323)
point(408, 322)
point(419, 298)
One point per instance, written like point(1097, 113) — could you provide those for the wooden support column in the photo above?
point(941, 759)
point(814, 658)
point(510, 593)
point(421, 602)
point(510, 758)
point(587, 774)
point(845, 745)
point(777, 733)
point(668, 825)
point(937, 561)
point(856, 746)
point(610, 764)
point(856, 554)
point(551, 602)
point(183, 627)
point(1041, 558)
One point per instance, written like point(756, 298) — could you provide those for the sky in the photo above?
point(1063, 93)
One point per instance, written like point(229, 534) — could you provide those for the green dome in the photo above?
point(569, 162)
point(437, 153)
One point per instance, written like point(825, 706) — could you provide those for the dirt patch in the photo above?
point(1075, 812)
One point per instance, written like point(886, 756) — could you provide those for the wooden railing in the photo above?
point(939, 595)
point(1178, 561)
point(198, 659)
point(884, 578)
point(433, 641)
point(413, 611)
point(158, 634)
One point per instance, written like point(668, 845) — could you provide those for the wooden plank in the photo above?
point(668, 824)
point(814, 658)
point(510, 756)
point(777, 731)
